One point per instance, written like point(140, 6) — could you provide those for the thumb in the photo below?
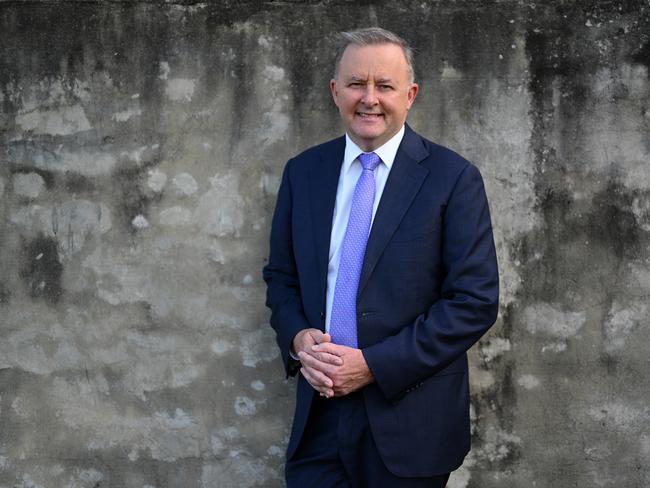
point(316, 335)
point(326, 338)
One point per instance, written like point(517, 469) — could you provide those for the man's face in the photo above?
point(373, 93)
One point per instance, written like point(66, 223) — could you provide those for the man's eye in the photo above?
point(385, 87)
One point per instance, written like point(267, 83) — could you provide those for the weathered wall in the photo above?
point(140, 150)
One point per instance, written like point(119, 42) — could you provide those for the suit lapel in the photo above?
point(405, 179)
point(323, 181)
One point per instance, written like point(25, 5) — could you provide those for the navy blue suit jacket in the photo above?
point(428, 291)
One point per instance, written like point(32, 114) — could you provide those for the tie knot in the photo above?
point(369, 160)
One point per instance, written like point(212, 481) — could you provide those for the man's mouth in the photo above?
point(365, 115)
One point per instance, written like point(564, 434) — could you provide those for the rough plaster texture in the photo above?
point(141, 146)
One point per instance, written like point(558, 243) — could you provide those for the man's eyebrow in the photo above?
point(379, 81)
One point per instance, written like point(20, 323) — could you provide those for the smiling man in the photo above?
point(381, 275)
point(373, 88)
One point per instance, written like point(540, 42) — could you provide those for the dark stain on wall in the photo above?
point(500, 400)
point(555, 259)
point(5, 295)
point(642, 56)
point(64, 41)
point(612, 224)
point(589, 237)
point(228, 12)
point(608, 221)
point(130, 197)
point(549, 52)
point(11, 381)
point(75, 183)
point(42, 269)
point(242, 89)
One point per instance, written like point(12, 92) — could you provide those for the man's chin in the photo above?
point(369, 135)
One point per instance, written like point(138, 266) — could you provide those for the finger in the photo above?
point(326, 338)
point(326, 357)
point(330, 348)
point(306, 373)
point(316, 378)
point(339, 392)
point(314, 363)
point(322, 391)
point(328, 369)
point(303, 340)
point(328, 393)
point(307, 342)
point(316, 335)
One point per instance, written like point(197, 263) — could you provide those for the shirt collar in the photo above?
point(386, 152)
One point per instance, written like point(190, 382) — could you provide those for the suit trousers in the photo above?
point(337, 450)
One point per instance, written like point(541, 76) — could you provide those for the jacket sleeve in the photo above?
point(283, 295)
point(468, 302)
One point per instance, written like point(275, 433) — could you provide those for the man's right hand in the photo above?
point(327, 363)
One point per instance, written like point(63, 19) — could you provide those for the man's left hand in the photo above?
point(352, 375)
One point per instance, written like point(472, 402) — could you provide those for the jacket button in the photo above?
point(322, 315)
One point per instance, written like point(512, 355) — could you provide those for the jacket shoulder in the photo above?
point(445, 162)
point(315, 153)
point(444, 155)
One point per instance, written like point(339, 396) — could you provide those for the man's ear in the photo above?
point(412, 93)
point(334, 91)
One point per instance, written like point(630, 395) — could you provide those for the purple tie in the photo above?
point(343, 323)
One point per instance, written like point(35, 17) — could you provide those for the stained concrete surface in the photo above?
point(141, 146)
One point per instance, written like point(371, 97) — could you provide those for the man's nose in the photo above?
point(369, 95)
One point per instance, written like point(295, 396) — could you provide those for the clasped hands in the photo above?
point(331, 369)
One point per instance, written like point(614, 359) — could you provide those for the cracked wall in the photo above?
point(141, 147)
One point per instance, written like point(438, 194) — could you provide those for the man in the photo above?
point(381, 275)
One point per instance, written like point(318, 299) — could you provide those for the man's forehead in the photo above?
point(376, 60)
point(379, 49)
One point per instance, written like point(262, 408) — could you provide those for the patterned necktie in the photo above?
point(343, 323)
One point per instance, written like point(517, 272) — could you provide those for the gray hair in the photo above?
point(369, 36)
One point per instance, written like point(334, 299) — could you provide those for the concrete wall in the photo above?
point(140, 150)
